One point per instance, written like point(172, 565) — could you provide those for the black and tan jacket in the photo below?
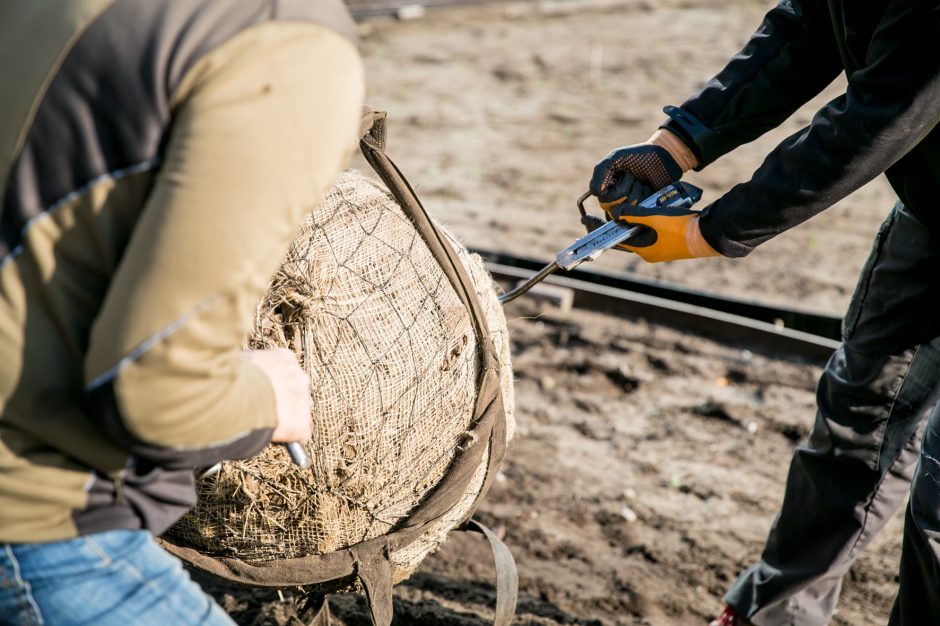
point(155, 158)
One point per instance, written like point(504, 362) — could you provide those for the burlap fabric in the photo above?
point(405, 342)
point(391, 353)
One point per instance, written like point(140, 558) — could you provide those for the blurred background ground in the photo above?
point(648, 463)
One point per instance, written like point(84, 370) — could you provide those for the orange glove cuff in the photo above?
point(681, 153)
point(698, 247)
point(677, 237)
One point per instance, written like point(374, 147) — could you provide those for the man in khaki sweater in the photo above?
point(155, 159)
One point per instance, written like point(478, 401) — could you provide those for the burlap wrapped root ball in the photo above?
point(392, 357)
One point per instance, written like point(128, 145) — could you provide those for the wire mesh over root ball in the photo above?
point(393, 362)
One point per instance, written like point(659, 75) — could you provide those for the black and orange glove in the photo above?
point(647, 163)
point(660, 161)
point(672, 233)
point(629, 175)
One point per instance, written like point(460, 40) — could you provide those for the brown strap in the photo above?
point(507, 575)
point(372, 124)
point(372, 146)
point(374, 568)
point(283, 573)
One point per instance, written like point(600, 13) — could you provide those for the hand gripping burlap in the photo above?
point(405, 342)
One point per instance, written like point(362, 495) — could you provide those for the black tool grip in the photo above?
point(592, 222)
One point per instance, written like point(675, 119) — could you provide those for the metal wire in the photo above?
point(520, 289)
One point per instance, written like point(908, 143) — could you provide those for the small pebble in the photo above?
point(628, 514)
point(752, 427)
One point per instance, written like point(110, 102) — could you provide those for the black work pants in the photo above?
point(877, 401)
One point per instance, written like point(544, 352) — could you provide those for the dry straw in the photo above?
point(392, 357)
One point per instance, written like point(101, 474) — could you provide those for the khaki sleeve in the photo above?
point(261, 127)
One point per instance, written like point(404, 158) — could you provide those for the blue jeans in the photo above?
point(114, 578)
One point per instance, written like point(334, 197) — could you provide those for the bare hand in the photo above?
point(291, 392)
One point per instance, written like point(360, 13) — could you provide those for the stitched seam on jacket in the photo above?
point(53, 208)
point(44, 88)
point(140, 349)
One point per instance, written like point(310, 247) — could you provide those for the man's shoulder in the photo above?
point(96, 79)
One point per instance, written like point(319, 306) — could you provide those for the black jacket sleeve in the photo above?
point(892, 102)
point(791, 58)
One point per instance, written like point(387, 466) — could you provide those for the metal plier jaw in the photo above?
point(603, 235)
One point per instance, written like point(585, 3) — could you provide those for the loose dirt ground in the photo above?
point(648, 463)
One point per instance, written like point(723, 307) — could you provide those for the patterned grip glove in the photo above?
point(649, 164)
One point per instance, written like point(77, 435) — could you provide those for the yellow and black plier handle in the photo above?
point(603, 235)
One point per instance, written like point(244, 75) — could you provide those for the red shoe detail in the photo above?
point(729, 617)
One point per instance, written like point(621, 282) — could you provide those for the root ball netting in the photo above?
point(392, 356)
